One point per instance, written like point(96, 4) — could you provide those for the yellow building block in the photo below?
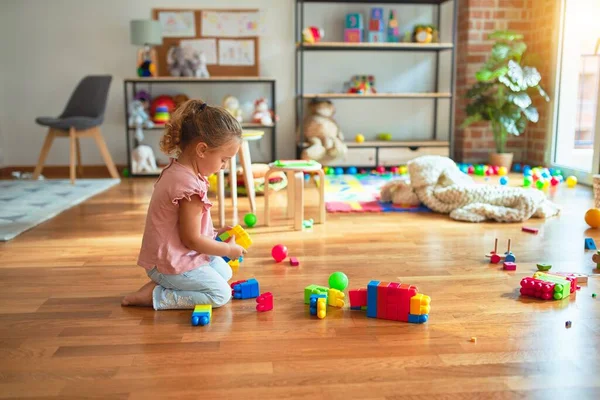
point(203, 308)
point(419, 304)
point(321, 308)
point(335, 298)
point(241, 236)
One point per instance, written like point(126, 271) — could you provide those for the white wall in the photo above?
point(57, 42)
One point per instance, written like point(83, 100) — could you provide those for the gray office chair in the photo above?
point(82, 117)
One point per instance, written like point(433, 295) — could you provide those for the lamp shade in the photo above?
point(145, 31)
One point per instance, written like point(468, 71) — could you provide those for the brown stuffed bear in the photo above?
point(322, 134)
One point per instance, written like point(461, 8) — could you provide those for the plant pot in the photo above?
point(501, 159)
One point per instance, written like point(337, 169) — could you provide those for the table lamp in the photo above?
point(146, 33)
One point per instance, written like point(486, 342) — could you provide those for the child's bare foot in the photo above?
point(143, 297)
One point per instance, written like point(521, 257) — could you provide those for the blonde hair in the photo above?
point(195, 119)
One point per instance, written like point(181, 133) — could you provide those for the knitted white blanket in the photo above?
point(442, 187)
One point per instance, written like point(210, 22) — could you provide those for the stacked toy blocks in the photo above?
point(393, 30)
point(319, 297)
point(376, 33)
point(354, 28)
point(547, 286)
point(246, 289)
point(241, 237)
point(393, 301)
point(318, 305)
point(202, 314)
point(314, 289)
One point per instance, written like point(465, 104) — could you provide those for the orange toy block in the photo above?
point(419, 304)
point(406, 293)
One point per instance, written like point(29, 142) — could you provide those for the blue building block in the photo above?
point(372, 299)
point(417, 319)
point(589, 244)
point(355, 308)
point(202, 315)
point(246, 290)
point(313, 302)
point(376, 13)
point(227, 259)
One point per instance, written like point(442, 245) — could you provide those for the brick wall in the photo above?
point(477, 19)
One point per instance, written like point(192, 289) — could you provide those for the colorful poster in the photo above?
point(177, 23)
point(230, 24)
point(236, 52)
point(206, 46)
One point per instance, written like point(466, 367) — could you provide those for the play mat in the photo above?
point(360, 193)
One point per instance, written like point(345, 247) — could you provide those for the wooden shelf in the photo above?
point(245, 125)
point(398, 143)
point(377, 1)
point(216, 79)
point(366, 46)
point(378, 96)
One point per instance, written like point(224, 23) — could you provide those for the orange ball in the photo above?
point(592, 217)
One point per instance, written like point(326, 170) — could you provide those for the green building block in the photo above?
point(562, 287)
point(314, 289)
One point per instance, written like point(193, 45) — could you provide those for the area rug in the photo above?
point(25, 203)
point(360, 193)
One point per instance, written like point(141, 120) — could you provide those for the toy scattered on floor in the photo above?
point(318, 305)
point(338, 280)
point(596, 259)
point(530, 230)
point(245, 289)
point(308, 223)
point(594, 295)
point(579, 278)
point(543, 267)
point(312, 34)
point(359, 138)
point(241, 238)
point(393, 301)
point(568, 324)
point(339, 171)
point(504, 181)
point(279, 252)
point(589, 244)
point(294, 262)
point(314, 289)
point(358, 297)
point(571, 181)
point(265, 302)
point(202, 314)
point(250, 220)
point(473, 339)
point(509, 266)
point(592, 217)
point(376, 32)
point(547, 286)
point(495, 258)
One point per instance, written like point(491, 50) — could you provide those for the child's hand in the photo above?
point(235, 250)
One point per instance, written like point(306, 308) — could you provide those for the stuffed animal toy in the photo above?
point(139, 119)
point(324, 137)
point(182, 62)
point(143, 160)
point(232, 104)
point(202, 71)
point(179, 99)
point(399, 192)
point(312, 34)
point(262, 114)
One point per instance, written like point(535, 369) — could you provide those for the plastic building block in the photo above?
point(265, 302)
point(358, 298)
point(377, 14)
point(354, 21)
point(294, 262)
point(248, 289)
point(509, 266)
point(372, 299)
point(241, 237)
point(314, 289)
point(589, 244)
point(568, 324)
point(382, 299)
point(473, 339)
point(417, 319)
point(335, 298)
point(419, 304)
point(318, 305)
point(376, 37)
point(531, 287)
point(579, 278)
point(543, 267)
point(308, 223)
point(353, 35)
point(547, 276)
point(202, 314)
point(530, 230)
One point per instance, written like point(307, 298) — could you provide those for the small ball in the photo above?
point(495, 169)
point(380, 169)
point(352, 170)
point(250, 220)
point(403, 170)
point(554, 181)
point(571, 181)
point(592, 217)
point(330, 171)
point(594, 295)
point(527, 181)
point(502, 171)
point(359, 138)
point(556, 172)
point(517, 167)
point(338, 280)
point(539, 184)
point(527, 170)
point(279, 252)
point(339, 171)
point(503, 180)
point(471, 169)
point(394, 170)
point(546, 184)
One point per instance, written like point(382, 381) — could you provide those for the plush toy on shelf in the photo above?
point(183, 62)
point(312, 34)
point(139, 119)
point(262, 115)
point(201, 70)
point(322, 134)
point(425, 34)
point(232, 104)
point(143, 160)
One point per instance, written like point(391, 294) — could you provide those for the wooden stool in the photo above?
point(246, 161)
point(294, 170)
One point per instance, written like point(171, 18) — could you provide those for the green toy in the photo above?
point(338, 280)
point(296, 164)
point(544, 267)
point(250, 220)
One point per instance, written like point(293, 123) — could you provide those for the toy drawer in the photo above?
point(400, 156)
point(358, 158)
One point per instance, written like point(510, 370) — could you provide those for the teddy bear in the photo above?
point(399, 192)
point(322, 134)
point(262, 115)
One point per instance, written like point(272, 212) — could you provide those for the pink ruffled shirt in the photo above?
point(161, 245)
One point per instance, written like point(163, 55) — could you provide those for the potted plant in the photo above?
point(502, 94)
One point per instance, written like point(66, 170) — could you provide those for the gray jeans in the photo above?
point(206, 284)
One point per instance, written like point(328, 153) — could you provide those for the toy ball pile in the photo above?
point(380, 170)
point(540, 177)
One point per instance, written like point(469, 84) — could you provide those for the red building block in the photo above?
point(265, 302)
point(510, 266)
point(406, 292)
point(382, 290)
point(537, 288)
point(294, 262)
point(358, 297)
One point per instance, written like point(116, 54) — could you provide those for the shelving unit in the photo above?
point(131, 86)
point(374, 153)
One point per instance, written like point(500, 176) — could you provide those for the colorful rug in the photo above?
point(360, 193)
point(25, 203)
